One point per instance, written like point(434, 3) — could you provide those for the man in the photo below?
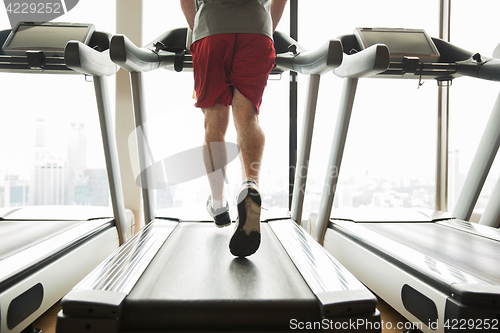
point(233, 54)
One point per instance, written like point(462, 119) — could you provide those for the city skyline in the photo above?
point(65, 179)
point(57, 179)
point(170, 93)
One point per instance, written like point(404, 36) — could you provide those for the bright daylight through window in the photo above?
point(52, 153)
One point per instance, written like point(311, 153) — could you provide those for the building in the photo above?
point(49, 174)
point(15, 191)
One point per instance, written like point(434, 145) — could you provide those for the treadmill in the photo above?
point(178, 275)
point(46, 250)
point(435, 268)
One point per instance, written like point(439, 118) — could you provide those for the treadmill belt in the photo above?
point(195, 283)
point(19, 235)
point(475, 255)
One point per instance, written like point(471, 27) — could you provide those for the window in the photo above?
point(51, 147)
point(389, 158)
point(471, 100)
point(175, 125)
point(53, 137)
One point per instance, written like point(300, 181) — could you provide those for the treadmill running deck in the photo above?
point(193, 276)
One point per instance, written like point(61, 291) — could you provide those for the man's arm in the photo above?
point(277, 7)
point(189, 10)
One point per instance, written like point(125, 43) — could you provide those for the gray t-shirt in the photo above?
point(232, 16)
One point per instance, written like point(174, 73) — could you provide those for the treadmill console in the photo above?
point(410, 43)
point(47, 37)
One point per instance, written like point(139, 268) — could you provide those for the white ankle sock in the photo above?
point(216, 204)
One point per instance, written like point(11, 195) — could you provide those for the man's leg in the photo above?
point(246, 238)
point(250, 136)
point(215, 159)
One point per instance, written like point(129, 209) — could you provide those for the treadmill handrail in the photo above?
point(323, 60)
point(86, 60)
point(365, 63)
point(137, 59)
point(127, 55)
point(490, 70)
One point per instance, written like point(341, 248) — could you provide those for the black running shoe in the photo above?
point(220, 215)
point(246, 237)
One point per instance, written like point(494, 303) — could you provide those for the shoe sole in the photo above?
point(246, 238)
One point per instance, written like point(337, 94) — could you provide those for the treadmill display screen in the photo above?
point(401, 42)
point(51, 38)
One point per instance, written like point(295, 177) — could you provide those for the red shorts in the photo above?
point(224, 61)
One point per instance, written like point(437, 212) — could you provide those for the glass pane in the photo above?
point(50, 143)
point(176, 126)
point(474, 29)
point(389, 158)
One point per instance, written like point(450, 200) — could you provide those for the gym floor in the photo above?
point(391, 319)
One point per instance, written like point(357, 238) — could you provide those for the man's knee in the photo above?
point(216, 122)
point(245, 115)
